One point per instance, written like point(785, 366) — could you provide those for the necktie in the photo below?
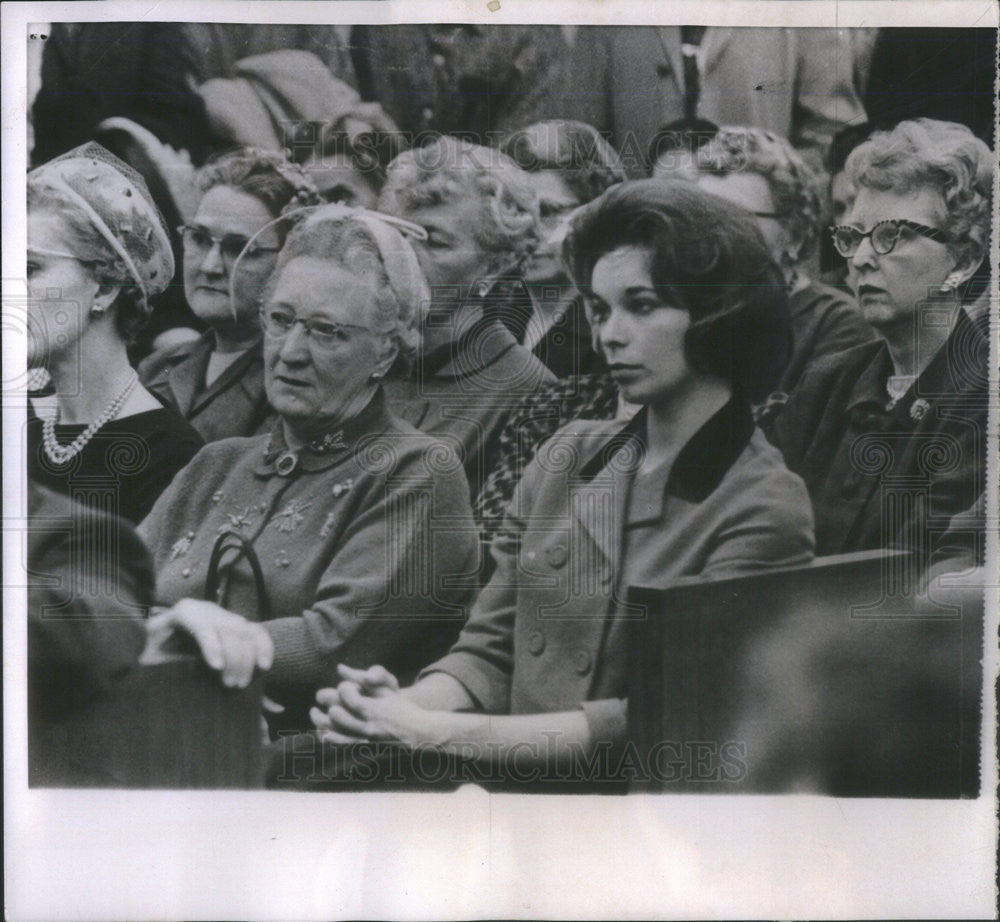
point(691, 37)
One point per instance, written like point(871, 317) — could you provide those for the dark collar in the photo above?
point(701, 464)
point(325, 450)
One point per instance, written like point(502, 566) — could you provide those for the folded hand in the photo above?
point(349, 714)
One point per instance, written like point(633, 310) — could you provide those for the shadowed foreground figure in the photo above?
point(105, 708)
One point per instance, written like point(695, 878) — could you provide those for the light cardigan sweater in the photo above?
point(362, 547)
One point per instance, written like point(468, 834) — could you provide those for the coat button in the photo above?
point(581, 662)
point(556, 555)
point(536, 642)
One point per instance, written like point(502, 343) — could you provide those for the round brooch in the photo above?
point(286, 463)
point(919, 409)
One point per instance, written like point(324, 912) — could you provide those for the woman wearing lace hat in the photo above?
point(98, 253)
point(344, 529)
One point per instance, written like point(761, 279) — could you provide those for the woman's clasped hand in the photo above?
point(369, 705)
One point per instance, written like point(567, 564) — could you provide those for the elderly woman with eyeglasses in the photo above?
point(890, 437)
point(230, 249)
point(479, 214)
point(344, 530)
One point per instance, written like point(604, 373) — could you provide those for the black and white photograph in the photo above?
point(500, 460)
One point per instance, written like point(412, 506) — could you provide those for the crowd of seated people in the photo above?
point(463, 373)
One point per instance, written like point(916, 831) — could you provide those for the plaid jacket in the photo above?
point(530, 423)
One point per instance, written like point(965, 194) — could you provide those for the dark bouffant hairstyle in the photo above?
point(708, 258)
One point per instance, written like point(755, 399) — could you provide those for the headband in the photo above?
point(406, 278)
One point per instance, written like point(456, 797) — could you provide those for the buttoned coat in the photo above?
point(367, 549)
point(629, 80)
point(234, 404)
point(890, 477)
point(548, 633)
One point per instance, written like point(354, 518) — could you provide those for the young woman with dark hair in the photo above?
point(691, 315)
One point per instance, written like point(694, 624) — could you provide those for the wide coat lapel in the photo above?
point(183, 379)
point(670, 45)
point(246, 374)
point(598, 502)
point(713, 45)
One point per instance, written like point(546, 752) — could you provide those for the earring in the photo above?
point(482, 289)
point(374, 377)
point(949, 285)
point(96, 311)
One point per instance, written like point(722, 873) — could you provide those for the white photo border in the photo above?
point(123, 854)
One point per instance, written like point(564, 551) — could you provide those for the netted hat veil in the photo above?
point(118, 204)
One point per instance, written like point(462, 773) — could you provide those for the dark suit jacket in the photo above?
point(233, 405)
point(85, 627)
point(796, 82)
point(566, 348)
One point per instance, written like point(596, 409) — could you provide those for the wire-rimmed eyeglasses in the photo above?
point(277, 322)
point(199, 240)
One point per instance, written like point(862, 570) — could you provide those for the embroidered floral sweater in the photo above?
point(360, 545)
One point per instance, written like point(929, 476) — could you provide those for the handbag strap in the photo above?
point(230, 540)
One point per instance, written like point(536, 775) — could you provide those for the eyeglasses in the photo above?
point(884, 236)
point(278, 322)
point(198, 240)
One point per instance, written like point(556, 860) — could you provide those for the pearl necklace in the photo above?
point(59, 454)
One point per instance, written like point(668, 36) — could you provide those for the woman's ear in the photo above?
point(104, 297)
point(387, 355)
point(963, 271)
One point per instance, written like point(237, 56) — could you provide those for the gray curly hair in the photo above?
point(794, 185)
point(449, 168)
point(946, 156)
